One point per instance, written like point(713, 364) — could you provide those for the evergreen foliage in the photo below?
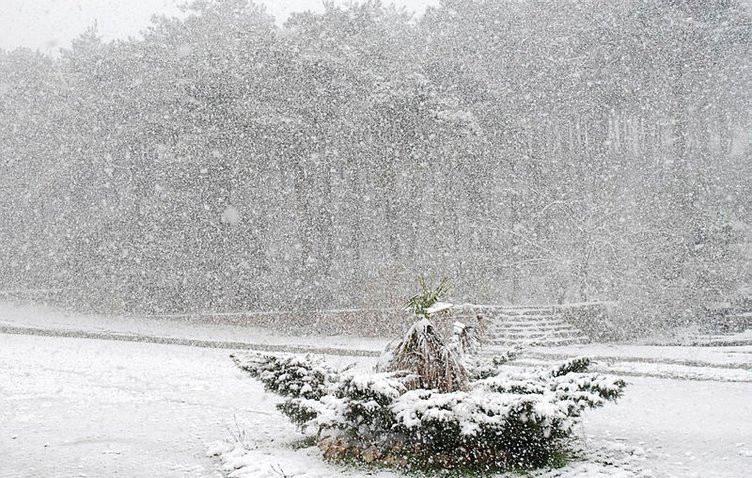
point(303, 380)
point(479, 369)
point(296, 377)
point(511, 419)
point(575, 365)
point(435, 404)
point(427, 411)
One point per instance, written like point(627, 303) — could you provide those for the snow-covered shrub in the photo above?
point(358, 409)
point(294, 376)
point(303, 380)
point(578, 364)
point(479, 428)
point(567, 385)
point(511, 419)
point(479, 369)
point(436, 405)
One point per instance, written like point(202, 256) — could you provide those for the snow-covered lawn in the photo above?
point(77, 407)
point(688, 428)
point(81, 407)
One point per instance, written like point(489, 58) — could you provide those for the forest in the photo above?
point(531, 151)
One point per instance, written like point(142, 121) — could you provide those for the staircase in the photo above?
point(518, 325)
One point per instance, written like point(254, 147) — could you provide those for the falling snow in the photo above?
point(228, 180)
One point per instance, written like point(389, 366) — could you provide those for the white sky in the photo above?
point(48, 25)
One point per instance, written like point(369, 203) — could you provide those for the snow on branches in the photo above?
point(509, 419)
point(433, 403)
point(513, 418)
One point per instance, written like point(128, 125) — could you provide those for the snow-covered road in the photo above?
point(83, 407)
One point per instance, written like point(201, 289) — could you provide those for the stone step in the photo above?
point(522, 326)
point(549, 333)
point(537, 335)
point(530, 313)
point(528, 319)
point(549, 341)
point(529, 330)
point(540, 333)
point(523, 317)
point(534, 312)
point(509, 325)
point(503, 312)
point(526, 323)
point(523, 329)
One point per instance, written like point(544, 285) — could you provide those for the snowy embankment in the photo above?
point(733, 364)
point(730, 364)
point(36, 320)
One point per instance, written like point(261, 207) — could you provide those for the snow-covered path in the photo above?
point(76, 407)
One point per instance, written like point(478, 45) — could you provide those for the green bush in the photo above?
point(433, 404)
point(508, 420)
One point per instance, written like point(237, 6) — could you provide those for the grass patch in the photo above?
point(306, 442)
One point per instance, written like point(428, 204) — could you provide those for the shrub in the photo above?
point(522, 419)
point(434, 405)
point(304, 380)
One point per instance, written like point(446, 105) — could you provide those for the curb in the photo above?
point(216, 344)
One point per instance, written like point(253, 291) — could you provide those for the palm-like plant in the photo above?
point(423, 352)
point(423, 300)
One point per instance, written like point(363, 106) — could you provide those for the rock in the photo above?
point(332, 447)
point(395, 460)
point(370, 454)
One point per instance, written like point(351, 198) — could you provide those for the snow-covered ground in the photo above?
point(733, 364)
point(687, 428)
point(72, 407)
point(40, 317)
point(87, 407)
point(739, 356)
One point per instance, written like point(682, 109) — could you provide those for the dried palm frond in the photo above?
point(466, 339)
point(424, 353)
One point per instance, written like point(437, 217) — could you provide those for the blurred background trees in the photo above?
point(533, 152)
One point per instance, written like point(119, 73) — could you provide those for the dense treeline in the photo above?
point(530, 150)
